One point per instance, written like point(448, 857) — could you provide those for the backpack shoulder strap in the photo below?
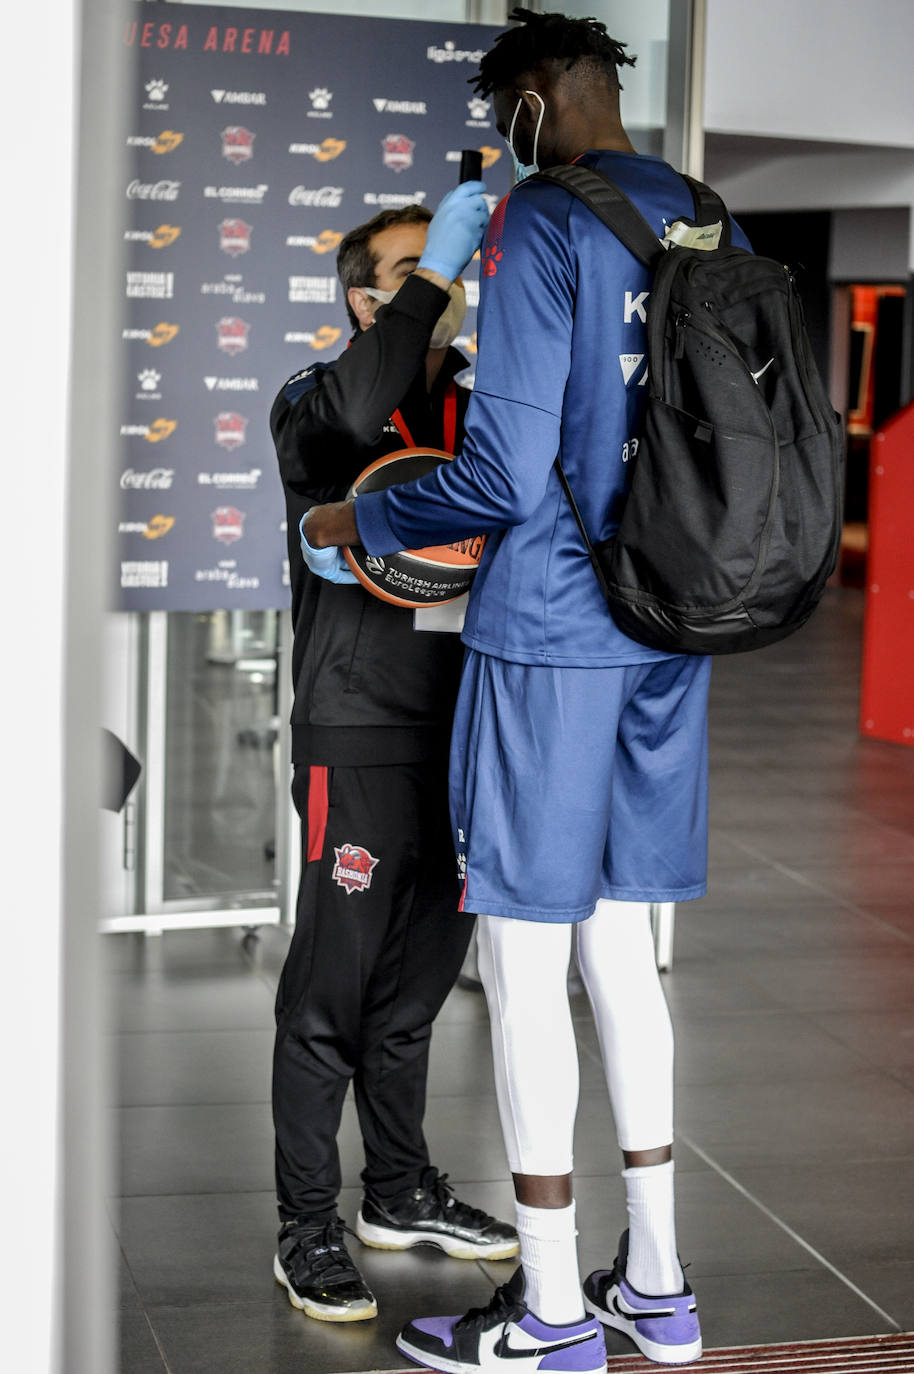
point(609, 204)
point(709, 208)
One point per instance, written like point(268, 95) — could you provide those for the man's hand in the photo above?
point(455, 230)
point(334, 524)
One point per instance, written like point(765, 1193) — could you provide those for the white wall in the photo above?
point(815, 69)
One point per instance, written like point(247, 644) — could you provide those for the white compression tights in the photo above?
point(523, 966)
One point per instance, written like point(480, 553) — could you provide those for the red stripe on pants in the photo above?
point(317, 812)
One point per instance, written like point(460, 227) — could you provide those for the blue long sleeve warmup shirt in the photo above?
point(561, 370)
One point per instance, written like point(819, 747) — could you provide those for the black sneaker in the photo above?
point(431, 1215)
point(316, 1270)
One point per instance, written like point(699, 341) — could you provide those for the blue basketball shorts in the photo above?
point(573, 784)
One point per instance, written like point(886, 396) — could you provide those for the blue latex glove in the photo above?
point(456, 230)
point(326, 563)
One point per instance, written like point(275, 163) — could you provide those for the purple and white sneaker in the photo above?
point(504, 1336)
point(664, 1329)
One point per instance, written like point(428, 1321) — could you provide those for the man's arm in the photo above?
point(355, 395)
point(513, 422)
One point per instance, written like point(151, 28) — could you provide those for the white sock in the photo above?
point(549, 1255)
point(653, 1264)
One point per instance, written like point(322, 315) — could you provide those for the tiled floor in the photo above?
point(792, 995)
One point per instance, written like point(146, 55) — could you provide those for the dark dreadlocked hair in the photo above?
point(549, 38)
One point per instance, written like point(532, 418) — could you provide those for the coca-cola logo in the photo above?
point(153, 190)
point(156, 479)
point(326, 197)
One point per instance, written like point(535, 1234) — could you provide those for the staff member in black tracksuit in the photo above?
point(378, 940)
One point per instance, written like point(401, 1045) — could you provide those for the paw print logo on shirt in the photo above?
point(491, 258)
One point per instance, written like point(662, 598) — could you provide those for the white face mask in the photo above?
point(447, 326)
point(522, 170)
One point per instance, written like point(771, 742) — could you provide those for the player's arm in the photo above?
point(514, 417)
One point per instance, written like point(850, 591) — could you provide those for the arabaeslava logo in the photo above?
point(353, 868)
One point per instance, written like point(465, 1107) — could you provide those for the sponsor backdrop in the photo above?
point(254, 144)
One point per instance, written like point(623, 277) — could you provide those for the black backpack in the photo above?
point(732, 525)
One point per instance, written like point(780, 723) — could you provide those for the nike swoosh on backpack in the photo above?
point(762, 370)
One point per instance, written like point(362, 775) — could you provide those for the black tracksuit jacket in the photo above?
point(369, 688)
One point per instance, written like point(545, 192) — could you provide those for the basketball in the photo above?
point(413, 578)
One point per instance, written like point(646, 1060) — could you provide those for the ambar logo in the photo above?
point(164, 236)
point(167, 141)
point(162, 334)
point(160, 429)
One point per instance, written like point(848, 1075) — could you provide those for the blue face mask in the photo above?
point(522, 170)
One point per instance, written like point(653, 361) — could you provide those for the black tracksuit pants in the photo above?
point(378, 943)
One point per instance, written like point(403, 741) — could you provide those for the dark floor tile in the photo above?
point(817, 923)
point(269, 1335)
point(719, 1231)
point(816, 839)
point(866, 979)
point(176, 950)
point(853, 1214)
point(890, 882)
point(137, 1349)
point(758, 883)
point(883, 1039)
point(210, 1248)
point(188, 1067)
point(195, 1149)
point(465, 1133)
point(892, 1285)
point(796, 1123)
point(191, 1000)
point(791, 1304)
point(695, 986)
point(759, 1047)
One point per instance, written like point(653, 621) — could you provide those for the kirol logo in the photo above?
point(167, 141)
point(232, 335)
point(228, 524)
point(325, 337)
point(234, 237)
point(237, 144)
point(162, 334)
point(326, 241)
point(353, 868)
point(164, 236)
point(160, 429)
point(397, 152)
point(158, 526)
point(231, 429)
